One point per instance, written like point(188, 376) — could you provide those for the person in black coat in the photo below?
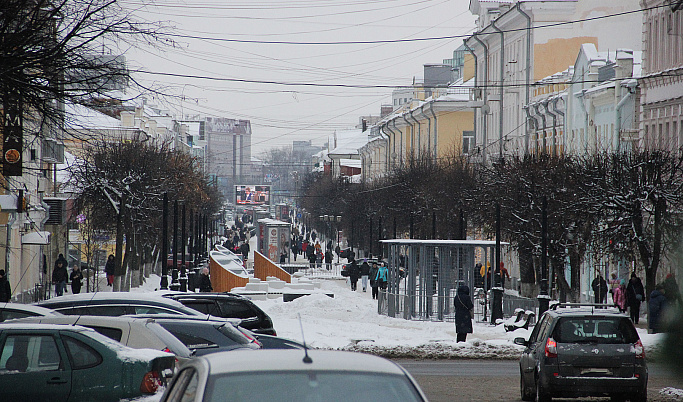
point(354, 274)
point(599, 286)
point(205, 281)
point(59, 276)
point(5, 288)
point(463, 312)
point(657, 306)
point(76, 278)
point(635, 293)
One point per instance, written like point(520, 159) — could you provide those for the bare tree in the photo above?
point(121, 187)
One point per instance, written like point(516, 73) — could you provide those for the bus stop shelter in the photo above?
point(425, 274)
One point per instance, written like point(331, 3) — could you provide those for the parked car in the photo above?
point(292, 375)
point(583, 350)
point(117, 304)
point(228, 305)
point(206, 336)
point(11, 311)
point(55, 363)
point(137, 333)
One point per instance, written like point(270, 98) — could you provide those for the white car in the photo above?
point(136, 333)
point(11, 311)
point(292, 375)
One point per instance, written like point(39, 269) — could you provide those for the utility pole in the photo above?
point(164, 244)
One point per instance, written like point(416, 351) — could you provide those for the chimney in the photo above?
point(127, 119)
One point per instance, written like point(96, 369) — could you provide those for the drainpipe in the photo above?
point(617, 110)
point(385, 137)
point(400, 148)
point(429, 128)
point(559, 112)
point(542, 116)
point(502, 78)
point(392, 153)
point(474, 56)
point(419, 133)
point(547, 109)
point(528, 65)
point(431, 109)
point(412, 134)
point(484, 119)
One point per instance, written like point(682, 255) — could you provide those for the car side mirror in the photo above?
point(520, 341)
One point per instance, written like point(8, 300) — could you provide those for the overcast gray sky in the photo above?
point(280, 114)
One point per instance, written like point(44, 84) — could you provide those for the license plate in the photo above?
point(596, 371)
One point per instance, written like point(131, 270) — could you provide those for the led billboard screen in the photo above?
point(252, 195)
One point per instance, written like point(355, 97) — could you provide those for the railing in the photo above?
point(317, 270)
point(418, 309)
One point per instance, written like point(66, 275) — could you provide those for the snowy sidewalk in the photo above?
point(350, 321)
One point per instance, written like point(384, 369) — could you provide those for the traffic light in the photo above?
point(21, 202)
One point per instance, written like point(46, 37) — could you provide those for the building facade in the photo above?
point(662, 82)
point(520, 42)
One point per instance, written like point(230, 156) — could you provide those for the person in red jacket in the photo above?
point(503, 273)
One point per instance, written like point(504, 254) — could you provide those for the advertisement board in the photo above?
point(252, 195)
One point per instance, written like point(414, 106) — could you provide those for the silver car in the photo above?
point(292, 375)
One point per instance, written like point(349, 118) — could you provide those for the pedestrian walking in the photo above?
point(619, 296)
point(109, 270)
point(354, 274)
point(328, 259)
point(374, 285)
point(599, 286)
point(59, 276)
point(671, 291)
point(5, 288)
point(364, 274)
point(205, 281)
point(635, 293)
point(464, 312)
point(657, 306)
point(503, 272)
point(76, 278)
point(382, 275)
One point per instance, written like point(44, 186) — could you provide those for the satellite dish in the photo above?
point(486, 109)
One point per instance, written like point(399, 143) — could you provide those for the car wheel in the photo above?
point(541, 394)
point(524, 390)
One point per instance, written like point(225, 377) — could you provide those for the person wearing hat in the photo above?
point(5, 288)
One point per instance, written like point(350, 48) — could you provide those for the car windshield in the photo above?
point(329, 386)
point(603, 330)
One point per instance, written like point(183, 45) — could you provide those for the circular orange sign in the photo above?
point(12, 156)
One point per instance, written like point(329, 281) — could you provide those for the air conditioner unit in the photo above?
point(52, 151)
point(56, 211)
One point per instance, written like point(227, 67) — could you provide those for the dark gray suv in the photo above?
point(579, 350)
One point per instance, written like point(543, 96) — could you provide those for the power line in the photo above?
point(368, 42)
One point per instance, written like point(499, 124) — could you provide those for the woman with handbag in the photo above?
point(464, 312)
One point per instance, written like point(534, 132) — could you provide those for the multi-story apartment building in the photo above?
point(228, 151)
point(662, 82)
point(520, 42)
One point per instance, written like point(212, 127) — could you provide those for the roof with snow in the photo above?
point(348, 142)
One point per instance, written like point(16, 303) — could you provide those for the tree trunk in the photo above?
point(527, 275)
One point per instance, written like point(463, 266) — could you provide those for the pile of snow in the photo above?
point(673, 394)
point(350, 321)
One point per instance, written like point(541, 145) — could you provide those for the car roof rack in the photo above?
point(578, 305)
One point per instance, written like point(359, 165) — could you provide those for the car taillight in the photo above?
point(639, 349)
point(550, 348)
point(150, 383)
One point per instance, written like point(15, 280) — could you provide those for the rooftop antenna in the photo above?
point(307, 359)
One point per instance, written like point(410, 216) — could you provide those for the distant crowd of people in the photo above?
point(628, 296)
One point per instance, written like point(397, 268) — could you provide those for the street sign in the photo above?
point(12, 132)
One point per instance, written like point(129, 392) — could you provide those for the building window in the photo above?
point(468, 144)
